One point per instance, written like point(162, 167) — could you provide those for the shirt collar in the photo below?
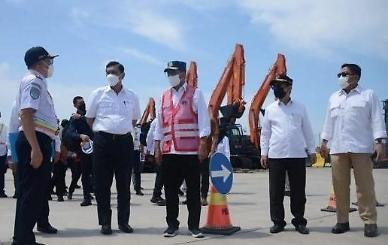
point(37, 74)
point(357, 89)
point(184, 86)
point(108, 88)
point(281, 103)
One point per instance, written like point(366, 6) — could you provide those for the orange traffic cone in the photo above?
point(332, 206)
point(218, 220)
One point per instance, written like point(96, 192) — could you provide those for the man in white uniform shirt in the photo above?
point(112, 113)
point(285, 133)
point(353, 120)
point(38, 128)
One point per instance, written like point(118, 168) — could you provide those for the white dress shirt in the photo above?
point(3, 139)
point(286, 131)
point(353, 121)
point(151, 138)
point(199, 107)
point(224, 147)
point(113, 113)
point(136, 138)
point(13, 130)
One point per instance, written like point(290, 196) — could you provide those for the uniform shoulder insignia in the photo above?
point(35, 91)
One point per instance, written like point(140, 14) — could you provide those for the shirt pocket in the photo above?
point(296, 120)
point(107, 107)
point(335, 110)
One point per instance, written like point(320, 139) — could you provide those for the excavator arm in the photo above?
point(231, 84)
point(279, 68)
point(149, 111)
point(191, 75)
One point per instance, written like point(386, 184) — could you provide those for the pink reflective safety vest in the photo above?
point(179, 123)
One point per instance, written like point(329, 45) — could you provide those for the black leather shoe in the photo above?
point(302, 229)
point(370, 230)
point(48, 229)
point(139, 193)
point(276, 229)
point(60, 199)
point(340, 228)
point(106, 230)
point(86, 202)
point(126, 228)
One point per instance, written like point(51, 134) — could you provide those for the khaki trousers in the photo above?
point(362, 167)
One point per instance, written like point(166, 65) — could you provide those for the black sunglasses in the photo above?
point(344, 74)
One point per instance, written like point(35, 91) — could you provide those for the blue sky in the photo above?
point(315, 36)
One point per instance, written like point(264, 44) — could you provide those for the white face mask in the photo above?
point(174, 80)
point(113, 80)
point(50, 71)
point(343, 82)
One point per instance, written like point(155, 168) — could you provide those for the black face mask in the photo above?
point(82, 108)
point(279, 92)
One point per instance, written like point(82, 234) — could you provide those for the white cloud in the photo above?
point(143, 56)
point(142, 18)
point(321, 27)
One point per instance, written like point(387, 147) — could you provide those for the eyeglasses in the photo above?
point(344, 74)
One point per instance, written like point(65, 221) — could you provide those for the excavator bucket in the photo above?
point(279, 68)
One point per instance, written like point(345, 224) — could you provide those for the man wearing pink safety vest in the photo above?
point(180, 145)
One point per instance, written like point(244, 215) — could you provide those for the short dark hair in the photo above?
point(115, 63)
point(77, 98)
point(64, 123)
point(356, 69)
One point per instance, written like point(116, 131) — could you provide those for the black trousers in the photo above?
point(204, 178)
point(58, 178)
point(175, 169)
point(158, 186)
point(3, 170)
point(86, 171)
point(33, 186)
point(296, 169)
point(76, 171)
point(112, 155)
point(137, 169)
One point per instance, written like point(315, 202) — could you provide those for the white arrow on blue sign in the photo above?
point(221, 172)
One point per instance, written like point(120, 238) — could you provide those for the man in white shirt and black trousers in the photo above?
point(112, 113)
point(285, 135)
point(183, 126)
point(353, 120)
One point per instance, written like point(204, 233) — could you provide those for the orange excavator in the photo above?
point(231, 84)
point(279, 68)
point(145, 122)
point(191, 75)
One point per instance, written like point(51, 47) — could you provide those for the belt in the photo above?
point(114, 136)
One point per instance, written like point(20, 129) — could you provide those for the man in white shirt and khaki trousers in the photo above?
point(353, 120)
point(286, 135)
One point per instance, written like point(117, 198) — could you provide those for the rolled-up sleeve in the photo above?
point(265, 134)
point(378, 124)
point(203, 114)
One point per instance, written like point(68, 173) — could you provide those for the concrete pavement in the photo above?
point(248, 204)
